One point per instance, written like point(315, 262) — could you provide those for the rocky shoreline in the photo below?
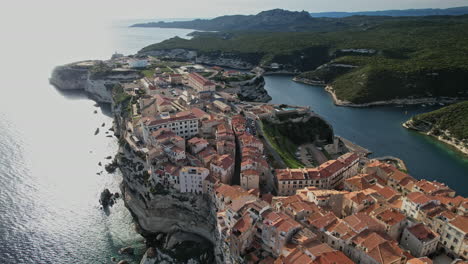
point(407, 101)
point(222, 60)
point(254, 90)
point(308, 81)
point(445, 136)
point(77, 76)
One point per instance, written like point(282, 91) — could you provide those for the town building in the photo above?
point(413, 203)
point(185, 126)
point(138, 63)
point(222, 106)
point(329, 175)
point(250, 179)
point(454, 237)
point(433, 188)
point(223, 168)
point(191, 179)
point(392, 219)
point(197, 144)
point(419, 240)
point(175, 79)
point(200, 83)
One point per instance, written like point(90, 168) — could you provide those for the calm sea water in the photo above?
point(379, 130)
point(49, 155)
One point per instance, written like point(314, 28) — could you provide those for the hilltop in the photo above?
point(454, 11)
point(423, 57)
point(276, 20)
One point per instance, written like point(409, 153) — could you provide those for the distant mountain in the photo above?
point(272, 20)
point(455, 11)
point(276, 20)
point(279, 20)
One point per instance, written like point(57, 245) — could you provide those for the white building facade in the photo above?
point(183, 126)
point(191, 179)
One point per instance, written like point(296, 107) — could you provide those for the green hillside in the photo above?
point(409, 57)
point(453, 118)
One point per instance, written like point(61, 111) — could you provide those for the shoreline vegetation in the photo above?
point(448, 125)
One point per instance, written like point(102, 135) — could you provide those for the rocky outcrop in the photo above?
point(254, 90)
point(445, 136)
point(171, 214)
point(324, 74)
point(106, 198)
point(127, 251)
point(222, 59)
point(150, 256)
point(78, 76)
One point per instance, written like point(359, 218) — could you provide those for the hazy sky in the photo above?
point(114, 9)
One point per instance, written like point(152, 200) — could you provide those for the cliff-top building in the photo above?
point(185, 126)
point(200, 83)
point(327, 176)
point(191, 179)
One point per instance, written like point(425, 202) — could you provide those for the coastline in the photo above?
point(169, 227)
point(308, 82)
point(451, 141)
point(415, 101)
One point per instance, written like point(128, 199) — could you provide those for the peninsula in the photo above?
point(212, 173)
point(448, 124)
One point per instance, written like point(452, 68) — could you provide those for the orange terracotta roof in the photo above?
point(422, 232)
point(418, 198)
point(242, 224)
point(297, 256)
point(342, 230)
point(251, 172)
point(386, 253)
point(197, 140)
point(317, 248)
point(198, 112)
point(386, 191)
point(267, 197)
point(323, 222)
point(224, 161)
point(460, 222)
point(390, 217)
point(230, 191)
point(334, 257)
point(200, 79)
point(423, 260)
point(361, 221)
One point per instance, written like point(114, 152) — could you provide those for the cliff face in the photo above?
point(78, 76)
point(219, 59)
point(172, 213)
point(69, 78)
point(254, 90)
